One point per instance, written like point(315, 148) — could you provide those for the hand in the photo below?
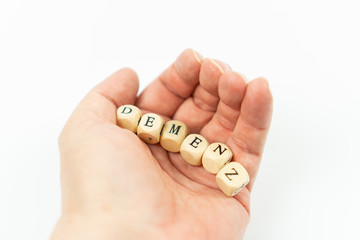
point(114, 186)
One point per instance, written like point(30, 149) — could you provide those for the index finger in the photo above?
point(173, 86)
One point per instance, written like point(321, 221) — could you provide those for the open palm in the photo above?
point(137, 190)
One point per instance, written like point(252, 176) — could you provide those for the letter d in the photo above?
point(123, 111)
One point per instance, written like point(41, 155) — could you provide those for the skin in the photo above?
point(114, 186)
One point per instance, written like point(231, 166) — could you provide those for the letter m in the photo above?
point(175, 130)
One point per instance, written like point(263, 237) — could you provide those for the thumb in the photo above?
point(103, 100)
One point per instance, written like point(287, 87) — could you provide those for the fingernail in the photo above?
point(223, 67)
point(197, 56)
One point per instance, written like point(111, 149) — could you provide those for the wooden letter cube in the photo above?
point(232, 178)
point(173, 135)
point(128, 117)
point(150, 127)
point(192, 149)
point(216, 156)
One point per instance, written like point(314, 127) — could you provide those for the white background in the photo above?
point(53, 52)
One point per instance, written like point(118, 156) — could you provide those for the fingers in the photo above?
point(249, 135)
point(102, 101)
point(172, 86)
point(257, 107)
point(206, 94)
point(197, 111)
point(231, 92)
point(242, 120)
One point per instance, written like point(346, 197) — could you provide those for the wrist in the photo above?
point(76, 226)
